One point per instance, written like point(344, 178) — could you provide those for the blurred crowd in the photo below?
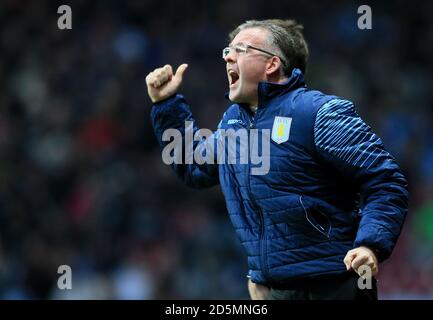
point(82, 182)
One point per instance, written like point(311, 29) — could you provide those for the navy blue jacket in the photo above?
point(331, 184)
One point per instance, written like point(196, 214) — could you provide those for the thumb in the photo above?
point(349, 258)
point(179, 71)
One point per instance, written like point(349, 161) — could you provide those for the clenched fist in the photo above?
point(361, 256)
point(162, 83)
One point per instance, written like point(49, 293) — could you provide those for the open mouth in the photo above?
point(233, 77)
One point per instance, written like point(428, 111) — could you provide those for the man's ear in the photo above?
point(273, 66)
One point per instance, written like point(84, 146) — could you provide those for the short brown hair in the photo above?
point(285, 36)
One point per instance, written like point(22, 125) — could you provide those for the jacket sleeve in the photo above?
point(171, 115)
point(346, 142)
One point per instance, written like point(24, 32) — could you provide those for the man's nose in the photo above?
point(231, 57)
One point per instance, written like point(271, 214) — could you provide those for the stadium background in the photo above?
point(81, 177)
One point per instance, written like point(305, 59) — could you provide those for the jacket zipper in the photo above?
point(258, 210)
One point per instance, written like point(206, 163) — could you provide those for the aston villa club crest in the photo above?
point(281, 129)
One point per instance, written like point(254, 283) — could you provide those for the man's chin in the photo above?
point(234, 97)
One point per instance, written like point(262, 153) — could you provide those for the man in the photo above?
point(333, 199)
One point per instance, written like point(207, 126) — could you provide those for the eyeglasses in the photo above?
point(242, 48)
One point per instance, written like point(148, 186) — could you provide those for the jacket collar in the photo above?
point(269, 90)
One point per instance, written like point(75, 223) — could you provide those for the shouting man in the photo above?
point(333, 202)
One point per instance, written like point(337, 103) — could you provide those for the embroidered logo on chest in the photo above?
point(281, 129)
